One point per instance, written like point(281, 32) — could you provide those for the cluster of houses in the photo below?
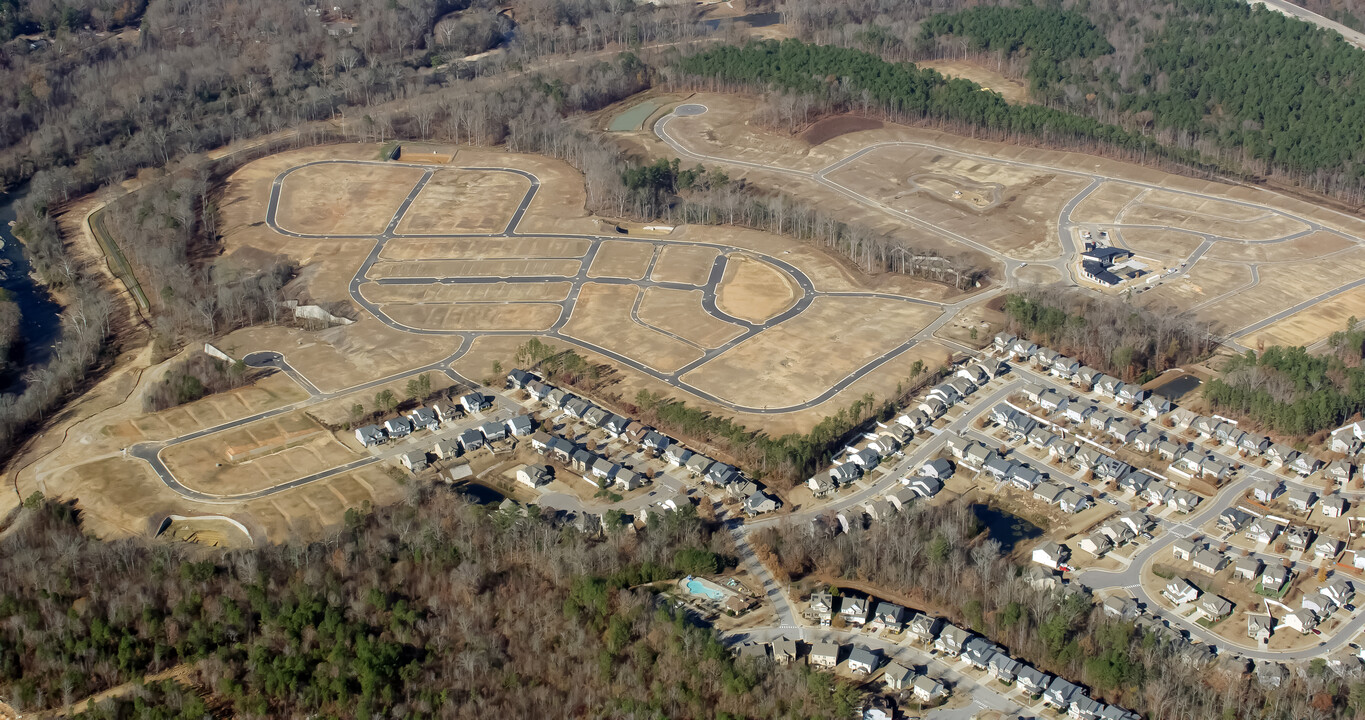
point(892, 437)
point(1249, 445)
point(434, 418)
point(602, 472)
point(954, 642)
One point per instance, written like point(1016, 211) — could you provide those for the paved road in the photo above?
point(1287, 8)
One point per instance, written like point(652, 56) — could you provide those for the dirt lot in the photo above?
point(1309, 246)
point(1312, 324)
point(680, 312)
point(1203, 215)
point(464, 201)
point(473, 268)
point(522, 316)
point(361, 200)
point(1012, 90)
point(1284, 285)
point(602, 317)
point(466, 293)
point(804, 356)
point(292, 446)
point(684, 264)
point(622, 259)
point(483, 248)
point(1152, 242)
point(754, 290)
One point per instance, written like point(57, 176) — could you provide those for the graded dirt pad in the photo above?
point(290, 446)
point(1206, 281)
point(754, 290)
point(689, 264)
point(1012, 90)
point(1205, 215)
point(343, 356)
point(315, 508)
point(118, 496)
point(1282, 286)
point(924, 182)
point(473, 268)
point(1304, 248)
point(1105, 203)
point(482, 248)
point(622, 259)
point(480, 316)
point(212, 531)
point(559, 206)
point(270, 392)
point(680, 312)
point(343, 199)
point(1311, 324)
point(466, 292)
point(827, 129)
point(802, 357)
point(1037, 274)
point(1152, 242)
point(465, 201)
point(602, 317)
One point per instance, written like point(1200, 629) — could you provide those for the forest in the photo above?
point(937, 558)
point(435, 608)
point(1107, 333)
point(1288, 390)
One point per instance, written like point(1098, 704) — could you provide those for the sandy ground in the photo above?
point(680, 312)
point(622, 259)
point(802, 357)
point(464, 201)
point(482, 248)
point(472, 293)
point(1316, 245)
point(1312, 324)
point(522, 316)
point(361, 200)
point(1012, 90)
point(473, 268)
point(684, 264)
point(602, 317)
point(754, 290)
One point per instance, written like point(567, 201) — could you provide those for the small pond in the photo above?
point(1178, 387)
point(481, 494)
point(1004, 527)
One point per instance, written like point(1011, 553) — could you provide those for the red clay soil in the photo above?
point(832, 127)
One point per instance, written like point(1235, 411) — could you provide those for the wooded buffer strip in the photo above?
point(935, 557)
point(1107, 333)
point(901, 89)
point(1288, 390)
point(1046, 31)
point(435, 609)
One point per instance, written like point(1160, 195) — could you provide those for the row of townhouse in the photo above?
point(1250, 445)
point(719, 474)
point(1047, 360)
point(982, 459)
point(424, 418)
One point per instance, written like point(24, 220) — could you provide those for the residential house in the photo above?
point(1084, 708)
point(915, 420)
point(446, 450)
point(1023, 350)
point(845, 474)
point(945, 393)
point(927, 689)
point(1047, 492)
point(1040, 437)
point(1267, 490)
point(1097, 544)
point(1111, 469)
point(784, 650)
point(1136, 520)
point(1130, 394)
point(1338, 590)
point(974, 373)
point(615, 425)
point(1209, 561)
point(759, 503)
point(720, 474)
point(1002, 667)
point(1299, 538)
point(997, 466)
point(447, 413)
point(1274, 578)
point(1087, 457)
point(1061, 449)
point(1108, 385)
point(1079, 412)
point(824, 654)
point(398, 427)
point(1065, 368)
point(867, 458)
point(1135, 482)
point(1250, 444)
point(978, 651)
point(863, 661)
point(1232, 519)
point(1155, 406)
point(885, 445)
point(1060, 694)
point(1339, 471)
point(901, 498)
point(1123, 608)
point(519, 379)
point(1303, 620)
point(1262, 530)
point(1183, 501)
point(603, 468)
point(1050, 554)
point(1169, 451)
point(1031, 680)
point(1051, 400)
point(577, 407)
point(557, 446)
point(933, 407)
point(1333, 506)
point(962, 386)
point(1179, 591)
point(1205, 426)
point(1072, 502)
point(625, 479)
point(471, 439)
point(889, 616)
point(1157, 493)
point(656, 441)
point(878, 510)
point(474, 402)
point(976, 455)
point(855, 610)
point(424, 419)
point(1246, 568)
point(1259, 627)
point(415, 461)
point(1345, 442)
point(1145, 442)
point(370, 435)
point(1301, 500)
point(1024, 477)
point(595, 416)
point(676, 454)
point(1305, 465)
point(519, 426)
point(926, 487)
point(1085, 377)
point(923, 628)
point(534, 475)
point(951, 639)
point(822, 606)
point(493, 431)
point(1044, 358)
point(1281, 454)
point(1320, 604)
point(1184, 549)
point(993, 367)
point(537, 390)
point(697, 464)
point(1002, 342)
point(897, 676)
point(1215, 607)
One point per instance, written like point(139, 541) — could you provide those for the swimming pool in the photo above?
point(706, 589)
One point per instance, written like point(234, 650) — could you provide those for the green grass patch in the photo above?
point(1277, 595)
point(389, 150)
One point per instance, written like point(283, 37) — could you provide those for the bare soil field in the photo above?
point(1152, 242)
point(466, 292)
point(318, 200)
point(602, 317)
point(211, 531)
point(559, 207)
point(474, 268)
point(622, 259)
point(1312, 324)
point(754, 290)
point(273, 391)
point(273, 451)
point(1206, 280)
point(521, 316)
point(684, 264)
point(800, 358)
point(1203, 215)
point(464, 201)
point(1012, 90)
point(1282, 286)
point(1037, 274)
point(826, 129)
point(1105, 203)
point(680, 312)
point(482, 248)
point(1307, 247)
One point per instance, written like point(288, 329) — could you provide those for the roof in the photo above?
point(863, 656)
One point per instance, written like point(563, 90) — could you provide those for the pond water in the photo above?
point(633, 118)
point(481, 494)
point(1005, 528)
point(757, 20)
point(1179, 387)
point(40, 320)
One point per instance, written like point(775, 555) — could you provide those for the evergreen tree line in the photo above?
point(1289, 390)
